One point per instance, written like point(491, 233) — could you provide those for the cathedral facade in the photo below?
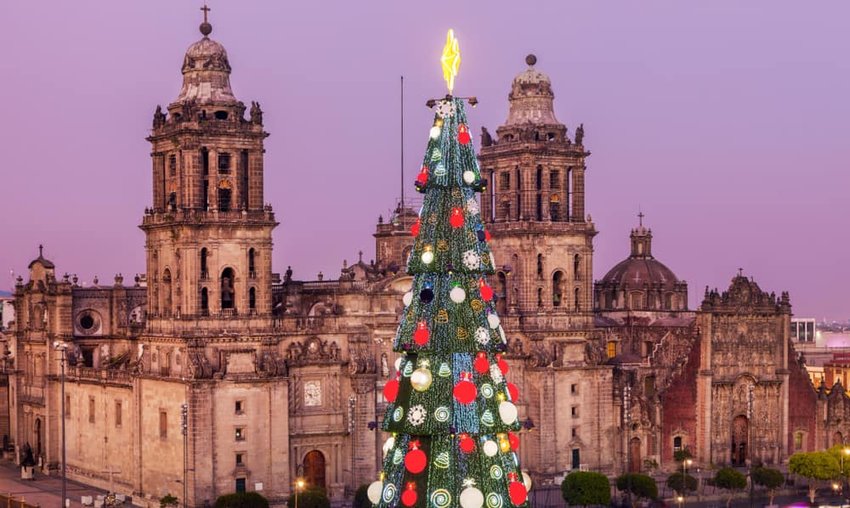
point(211, 373)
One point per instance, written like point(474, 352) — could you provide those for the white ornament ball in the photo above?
point(507, 412)
point(407, 298)
point(471, 497)
point(428, 257)
point(388, 445)
point(526, 480)
point(421, 379)
point(468, 176)
point(397, 364)
point(490, 448)
point(471, 260)
point(457, 294)
point(493, 320)
point(435, 132)
point(472, 207)
point(374, 491)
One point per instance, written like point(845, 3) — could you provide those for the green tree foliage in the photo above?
point(770, 479)
point(361, 499)
point(730, 480)
point(638, 485)
point(814, 466)
point(310, 498)
point(682, 483)
point(167, 501)
point(583, 488)
point(242, 500)
point(681, 455)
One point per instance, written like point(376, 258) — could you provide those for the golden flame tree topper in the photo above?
point(450, 59)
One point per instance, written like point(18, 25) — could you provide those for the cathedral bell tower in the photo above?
point(534, 206)
point(208, 231)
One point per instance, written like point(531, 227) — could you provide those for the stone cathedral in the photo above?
point(210, 373)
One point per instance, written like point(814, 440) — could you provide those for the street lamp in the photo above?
point(685, 463)
point(62, 347)
point(681, 500)
point(299, 481)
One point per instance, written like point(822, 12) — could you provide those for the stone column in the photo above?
point(365, 462)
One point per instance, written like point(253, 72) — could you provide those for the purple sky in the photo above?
point(726, 122)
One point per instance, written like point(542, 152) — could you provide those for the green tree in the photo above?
point(682, 483)
point(770, 479)
point(681, 455)
point(451, 410)
point(168, 500)
point(361, 498)
point(814, 466)
point(311, 497)
point(582, 488)
point(638, 485)
point(242, 500)
point(731, 481)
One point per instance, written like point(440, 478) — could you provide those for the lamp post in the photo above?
point(62, 347)
point(685, 463)
point(299, 481)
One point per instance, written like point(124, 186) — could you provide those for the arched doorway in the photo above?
point(38, 437)
point(837, 438)
point(740, 433)
point(634, 455)
point(314, 469)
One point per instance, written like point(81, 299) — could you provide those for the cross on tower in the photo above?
point(640, 218)
point(740, 272)
point(40, 250)
point(206, 10)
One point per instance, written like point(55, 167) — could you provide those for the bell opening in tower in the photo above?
point(228, 291)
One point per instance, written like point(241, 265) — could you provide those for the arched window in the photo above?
point(540, 298)
point(205, 301)
point(506, 210)
point(576, 300)
point(677, 443)
point(251, 255)
point(252, 298)
point(205, 161)
point(519, 214)
point(540, 265)
point(204, 273)
point(577, 267)
point(539, 179)
point(225, 195)
point(502, 295)
point(228, 289)
point(636, 300)
point(555, 207)
point(557, 288)
point(172, 201)
point(166, 290)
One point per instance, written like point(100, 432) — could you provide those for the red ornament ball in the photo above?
point(408, 497)
point(467, 444)
point(513, 439)
point(517, 493)
point(486, 235)
point(513, 391)
point(503, 365)
point(486, 291)
point(414, 229)
point(465, 392)
point(422, 177)
point(456, 218)
point(415, 461)
point(481, 364)
point(391, 390)
point(422, 334)
point(463, 134)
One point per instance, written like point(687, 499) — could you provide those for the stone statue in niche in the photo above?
point(158, 117)
point(486, 138)
point(580, 134)
point(256, 113)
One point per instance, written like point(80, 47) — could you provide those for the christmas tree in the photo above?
point(451, 412)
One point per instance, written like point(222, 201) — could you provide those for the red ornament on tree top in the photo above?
point(463, 134)
point(422, 334)
point(465, 391)
point(485, 290)
point(456, 218)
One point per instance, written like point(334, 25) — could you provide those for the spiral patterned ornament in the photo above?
point(441, 414)
point(494, 500)
point(441, 498)
point(389, 493)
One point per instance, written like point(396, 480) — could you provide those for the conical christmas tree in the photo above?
point(451, 411)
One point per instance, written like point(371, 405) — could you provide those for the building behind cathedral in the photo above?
point(211, 374)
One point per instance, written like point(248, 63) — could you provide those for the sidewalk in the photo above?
point(43, 490)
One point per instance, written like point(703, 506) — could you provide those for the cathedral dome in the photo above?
point(531, 97)
point(206, 72)
point(641, 282)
